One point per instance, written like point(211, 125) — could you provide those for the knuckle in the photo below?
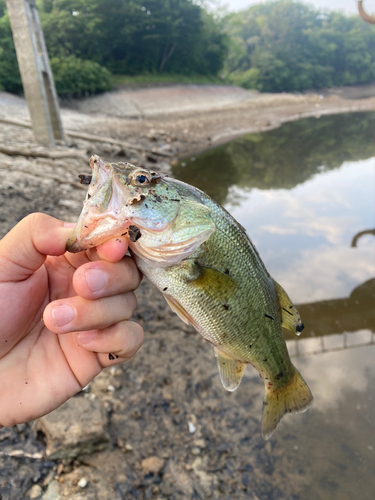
point(139, 331)
point(131, 273)
point(34, 218)
point(131, 301)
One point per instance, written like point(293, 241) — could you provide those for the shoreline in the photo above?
point(168, 135)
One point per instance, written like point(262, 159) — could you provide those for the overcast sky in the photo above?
point(347, 6)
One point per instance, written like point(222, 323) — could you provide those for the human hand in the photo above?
point(61, 315)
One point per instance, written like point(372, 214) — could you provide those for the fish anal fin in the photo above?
point(294, 397)
point(230, 370)
point(290, 318)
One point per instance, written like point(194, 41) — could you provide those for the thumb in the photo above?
point(24, 249)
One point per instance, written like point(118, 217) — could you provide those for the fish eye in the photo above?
point(141, 179)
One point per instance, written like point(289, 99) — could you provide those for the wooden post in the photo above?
point(36, 75)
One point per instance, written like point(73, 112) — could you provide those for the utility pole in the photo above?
point(36, 75)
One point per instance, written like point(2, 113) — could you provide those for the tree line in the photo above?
point(289, 46)
point(123, 37)
point(281, 45)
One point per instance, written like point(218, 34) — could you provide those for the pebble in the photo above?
point(35, 491)
point(192, 427)
point(82, 483)
point(200, 443)
point(196, 451)
point(152, 464)
point(111, 388)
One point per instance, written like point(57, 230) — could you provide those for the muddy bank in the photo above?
point(194, 118)
point(178, 121)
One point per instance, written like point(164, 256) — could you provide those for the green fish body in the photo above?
point(209, 272)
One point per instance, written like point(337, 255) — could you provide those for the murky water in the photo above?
point(305, 194)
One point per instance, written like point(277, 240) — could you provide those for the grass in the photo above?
point(150, 79)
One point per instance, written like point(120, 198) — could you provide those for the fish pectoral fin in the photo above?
point(290, 318)
point(179, 310)
point(294, 397)
point(230, 370)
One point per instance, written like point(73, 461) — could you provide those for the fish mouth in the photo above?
point(100, 218)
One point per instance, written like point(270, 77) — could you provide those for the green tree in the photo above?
point(286, 46)
point(10, 78)
point(134, 36)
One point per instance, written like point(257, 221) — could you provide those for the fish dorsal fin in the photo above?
point(290, 318)
point(230, 370)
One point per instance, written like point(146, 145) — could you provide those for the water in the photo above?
point(305, 194)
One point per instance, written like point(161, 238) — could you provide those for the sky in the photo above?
point(347, 6)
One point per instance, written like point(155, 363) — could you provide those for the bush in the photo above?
point(249, 79)
point(75, 77)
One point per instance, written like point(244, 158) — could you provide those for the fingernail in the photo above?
point(86, 337)
point(70, 225)
point(62, 315)
point(96, 279)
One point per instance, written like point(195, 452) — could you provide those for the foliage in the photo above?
point(10, 79)
point(286, 46)
point(151, 79)
point(135, 36)
point(74, 77)
point(283, 157)
point(125, 36)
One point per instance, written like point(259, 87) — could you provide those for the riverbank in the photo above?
point(181, 120)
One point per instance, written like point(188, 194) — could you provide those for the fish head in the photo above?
point(161, 219)
point(114, 201)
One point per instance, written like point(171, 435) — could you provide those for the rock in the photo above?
point(177, 480)
point(82, 483)
point(152, 464)
point(35, 491)
point(53, 492)
point(192, 427)
point(78, 427)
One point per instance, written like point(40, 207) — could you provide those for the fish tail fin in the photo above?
point(294, 397)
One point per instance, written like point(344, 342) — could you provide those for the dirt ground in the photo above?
point(174, 433)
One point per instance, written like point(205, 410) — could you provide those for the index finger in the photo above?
point(112, 250)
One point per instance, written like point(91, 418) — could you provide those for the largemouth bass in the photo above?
point(208, 270)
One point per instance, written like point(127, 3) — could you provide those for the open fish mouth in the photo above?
point(99, 219)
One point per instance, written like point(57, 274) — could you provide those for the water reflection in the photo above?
point(281, 158)
point(305, 194)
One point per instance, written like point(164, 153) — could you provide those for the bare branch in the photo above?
point(362, 13)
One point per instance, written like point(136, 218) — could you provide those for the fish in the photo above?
point(210, 273)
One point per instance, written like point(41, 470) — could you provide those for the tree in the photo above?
point(286, 46)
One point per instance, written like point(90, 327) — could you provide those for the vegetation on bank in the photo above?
point(281, 45)
point(152, 79)
point(137, 37)
point(288, 46)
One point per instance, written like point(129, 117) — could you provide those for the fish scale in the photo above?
point(209, 271)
